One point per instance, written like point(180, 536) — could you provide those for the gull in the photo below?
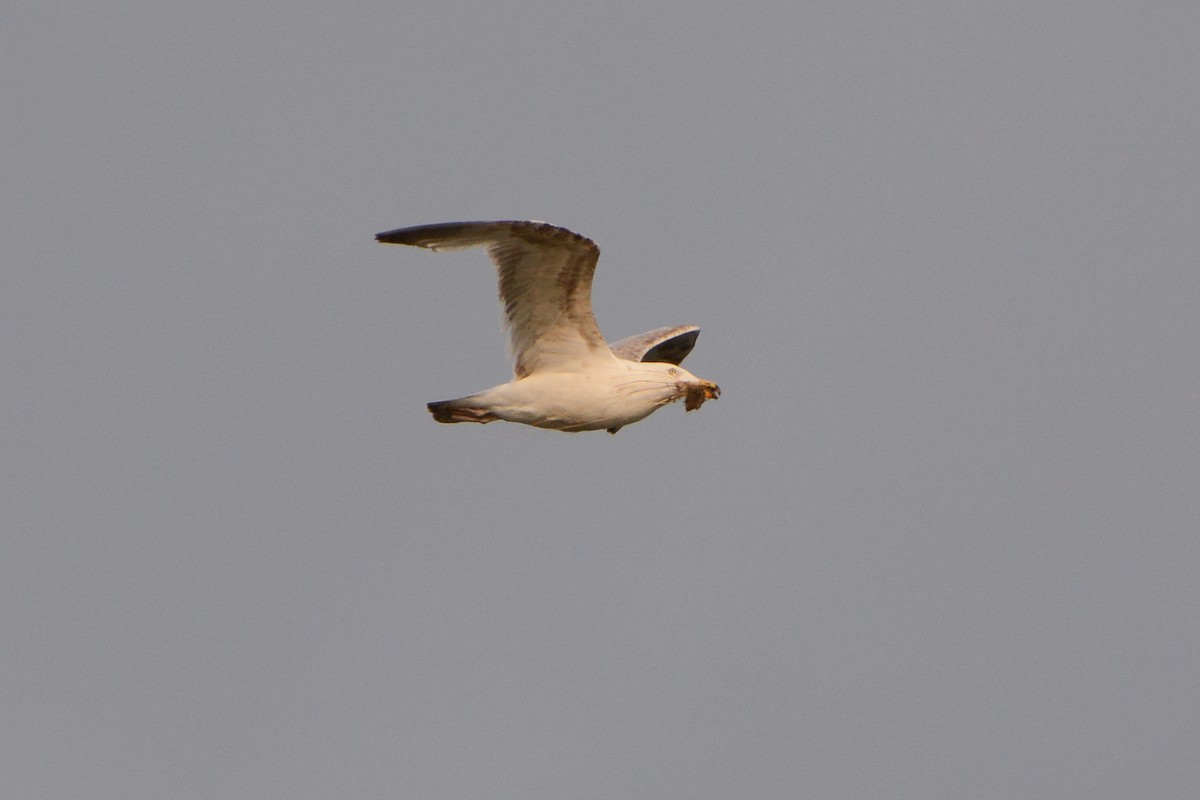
point(566, 377)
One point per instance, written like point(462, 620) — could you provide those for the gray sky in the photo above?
point(938, 538)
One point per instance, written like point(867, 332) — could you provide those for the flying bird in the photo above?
point(565, 376)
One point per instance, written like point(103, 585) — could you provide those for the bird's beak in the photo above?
point(697, 393)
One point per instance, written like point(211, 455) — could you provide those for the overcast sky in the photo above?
point(937, 539)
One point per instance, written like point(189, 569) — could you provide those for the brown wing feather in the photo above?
point(545, 276)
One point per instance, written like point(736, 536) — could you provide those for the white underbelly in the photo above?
point(575, 402)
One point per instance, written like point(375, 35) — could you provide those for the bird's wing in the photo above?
point(670, 345)
point(545, 285)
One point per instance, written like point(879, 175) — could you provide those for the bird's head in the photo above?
point(679, 383)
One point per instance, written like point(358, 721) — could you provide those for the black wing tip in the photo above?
point(674, 349)
point(391, 237)
point(417, 234)
point(420, 235)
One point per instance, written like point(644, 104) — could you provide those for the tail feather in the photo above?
point(460, 410)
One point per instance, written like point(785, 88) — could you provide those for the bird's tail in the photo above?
point(464, 409)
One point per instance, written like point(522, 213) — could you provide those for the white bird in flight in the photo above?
point(565, 376)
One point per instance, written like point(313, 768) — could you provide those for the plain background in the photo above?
point(938, 539)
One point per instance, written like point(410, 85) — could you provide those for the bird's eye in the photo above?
point(672, 371)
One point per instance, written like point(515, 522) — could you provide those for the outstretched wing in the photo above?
point(545, 285)
point(670, 345)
